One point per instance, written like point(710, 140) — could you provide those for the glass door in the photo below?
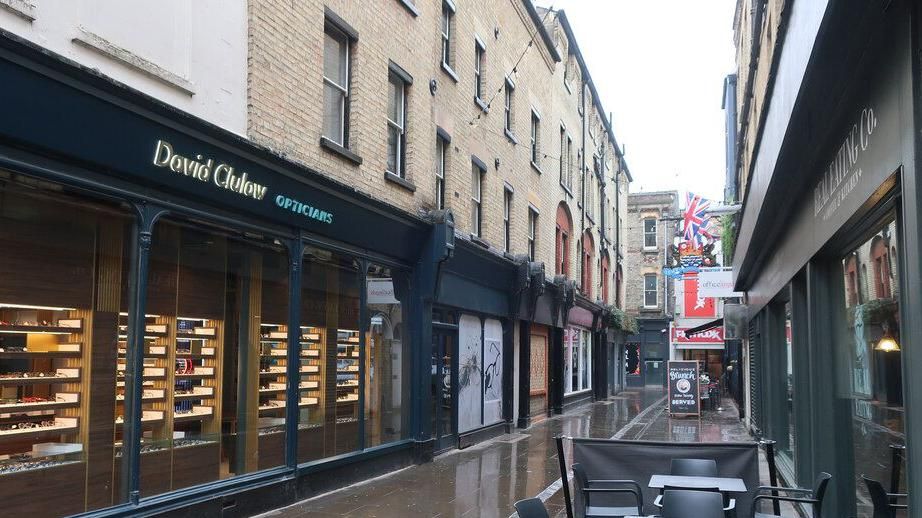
point(444, 388)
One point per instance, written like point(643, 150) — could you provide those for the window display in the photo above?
point(63, 283)
point(869, 363)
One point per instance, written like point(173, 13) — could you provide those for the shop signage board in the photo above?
point(716, 282)
point(684, 399)
point(696, 305)
point(711, 336)
point(381, 291)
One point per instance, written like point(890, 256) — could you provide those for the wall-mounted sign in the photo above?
point(716, 282)
point(711, 336)
point(205, 169)
point(683, 388)
point(844, 171)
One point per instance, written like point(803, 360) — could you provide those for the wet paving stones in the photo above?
point(484, 480)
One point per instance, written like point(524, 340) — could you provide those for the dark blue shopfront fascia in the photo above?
point(51, 115)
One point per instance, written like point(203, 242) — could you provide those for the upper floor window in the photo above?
point(649, 233)
point(569, 178)
point(479, 58)
point(507, 219)
point(448, 27)
point(562, 237)
point(336, 86)
point(441, 157)
point(649, 290)
point(532, 233)
point(563, 154)
point(535, 139)
point(396, 125)
point(509, 91)
point(476, 200)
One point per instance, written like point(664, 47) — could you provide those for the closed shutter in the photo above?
point(755, 376)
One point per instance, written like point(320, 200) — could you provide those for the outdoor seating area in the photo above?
point(627, 479)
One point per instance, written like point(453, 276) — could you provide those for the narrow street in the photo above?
point(486, 479)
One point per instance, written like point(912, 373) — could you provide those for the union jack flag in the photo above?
point(696, 222)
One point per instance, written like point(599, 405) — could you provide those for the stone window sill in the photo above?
point(401, 182)
point(408, 5)
point(482, 105)
point(342, 152)
point(448, 70)
point(536, 168)
point(510, 136)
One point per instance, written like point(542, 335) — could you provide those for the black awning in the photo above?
point(705, 327)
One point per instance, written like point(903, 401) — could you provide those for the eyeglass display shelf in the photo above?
point(198, 413)
point(155, 395)
point(40, 354)
point(206, 352)
point(61, 425)
point(148, 417)
point(197, 393)
point(38, 330)
point(69, 400)
point(304, 402)
point(71, 375)
point(350, 384)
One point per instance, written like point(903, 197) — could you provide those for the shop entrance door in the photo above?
point(444, 386)
point(655, 372)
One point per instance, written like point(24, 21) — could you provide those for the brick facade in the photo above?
point(642, 260)
point(285, 90)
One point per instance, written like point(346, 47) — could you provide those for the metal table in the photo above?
point(728, 485)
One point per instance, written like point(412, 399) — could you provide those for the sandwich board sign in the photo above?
point(684, 399)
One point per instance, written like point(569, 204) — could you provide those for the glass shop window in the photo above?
point(577, 359)
point(869, 370)
point(215, 345)
point(786, 440)
point(330, 370)
point(64, 261)
point(387, 357)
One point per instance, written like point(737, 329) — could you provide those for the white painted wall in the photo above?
point(191, 54)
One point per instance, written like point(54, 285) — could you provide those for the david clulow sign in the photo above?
point(225, 176)
point(683, 388)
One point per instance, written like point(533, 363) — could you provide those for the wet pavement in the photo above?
point(486, 479)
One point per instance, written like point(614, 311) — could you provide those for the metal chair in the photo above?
point(813, 496)
point(885, 504)
point(531, 508)
point(587, 488)
point(680, 503)
point(693, 467)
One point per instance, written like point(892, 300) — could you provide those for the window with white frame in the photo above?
point(448, 27)
point(569, 182)
point(535, 138)
point(532, 233)
point(441, 157)
point(479, 58)
point(507, 219)
point(336, 85)
point(650, 290)
point(396, 124)
point(476, 200)
point(563, 155)
point(649, 233)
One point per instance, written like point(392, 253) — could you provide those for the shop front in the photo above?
point(831, 343)
point(186, 318)
point(579, 356)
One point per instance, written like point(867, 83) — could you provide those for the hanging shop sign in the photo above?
point(695, 304)
point(716, 282)
point(684, 399)
point(381, 291)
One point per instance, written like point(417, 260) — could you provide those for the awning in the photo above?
point(705, 327)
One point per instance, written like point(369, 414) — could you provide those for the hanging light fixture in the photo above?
point(887, 342)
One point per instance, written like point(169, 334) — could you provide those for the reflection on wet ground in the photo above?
point(486, 479)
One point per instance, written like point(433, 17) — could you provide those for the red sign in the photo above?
point(711, 336)
point(695, 306)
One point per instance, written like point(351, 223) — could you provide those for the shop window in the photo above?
point(577, 359)
point(336, 62)
point(869, 362)
point(650, 290)
point(396, 125)
point(786, 444)
point(64, 270)
point(480, 371)
point(215, 356)
point(387, 357)
point(328, 415)
point(632, 359)
point(649, 233)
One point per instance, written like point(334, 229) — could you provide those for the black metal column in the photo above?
point(524, 417)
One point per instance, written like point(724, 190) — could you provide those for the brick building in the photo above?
point(650, 296)
point(318, 243)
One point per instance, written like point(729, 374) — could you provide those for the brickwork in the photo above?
point(286, 112)
point(642, 260)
